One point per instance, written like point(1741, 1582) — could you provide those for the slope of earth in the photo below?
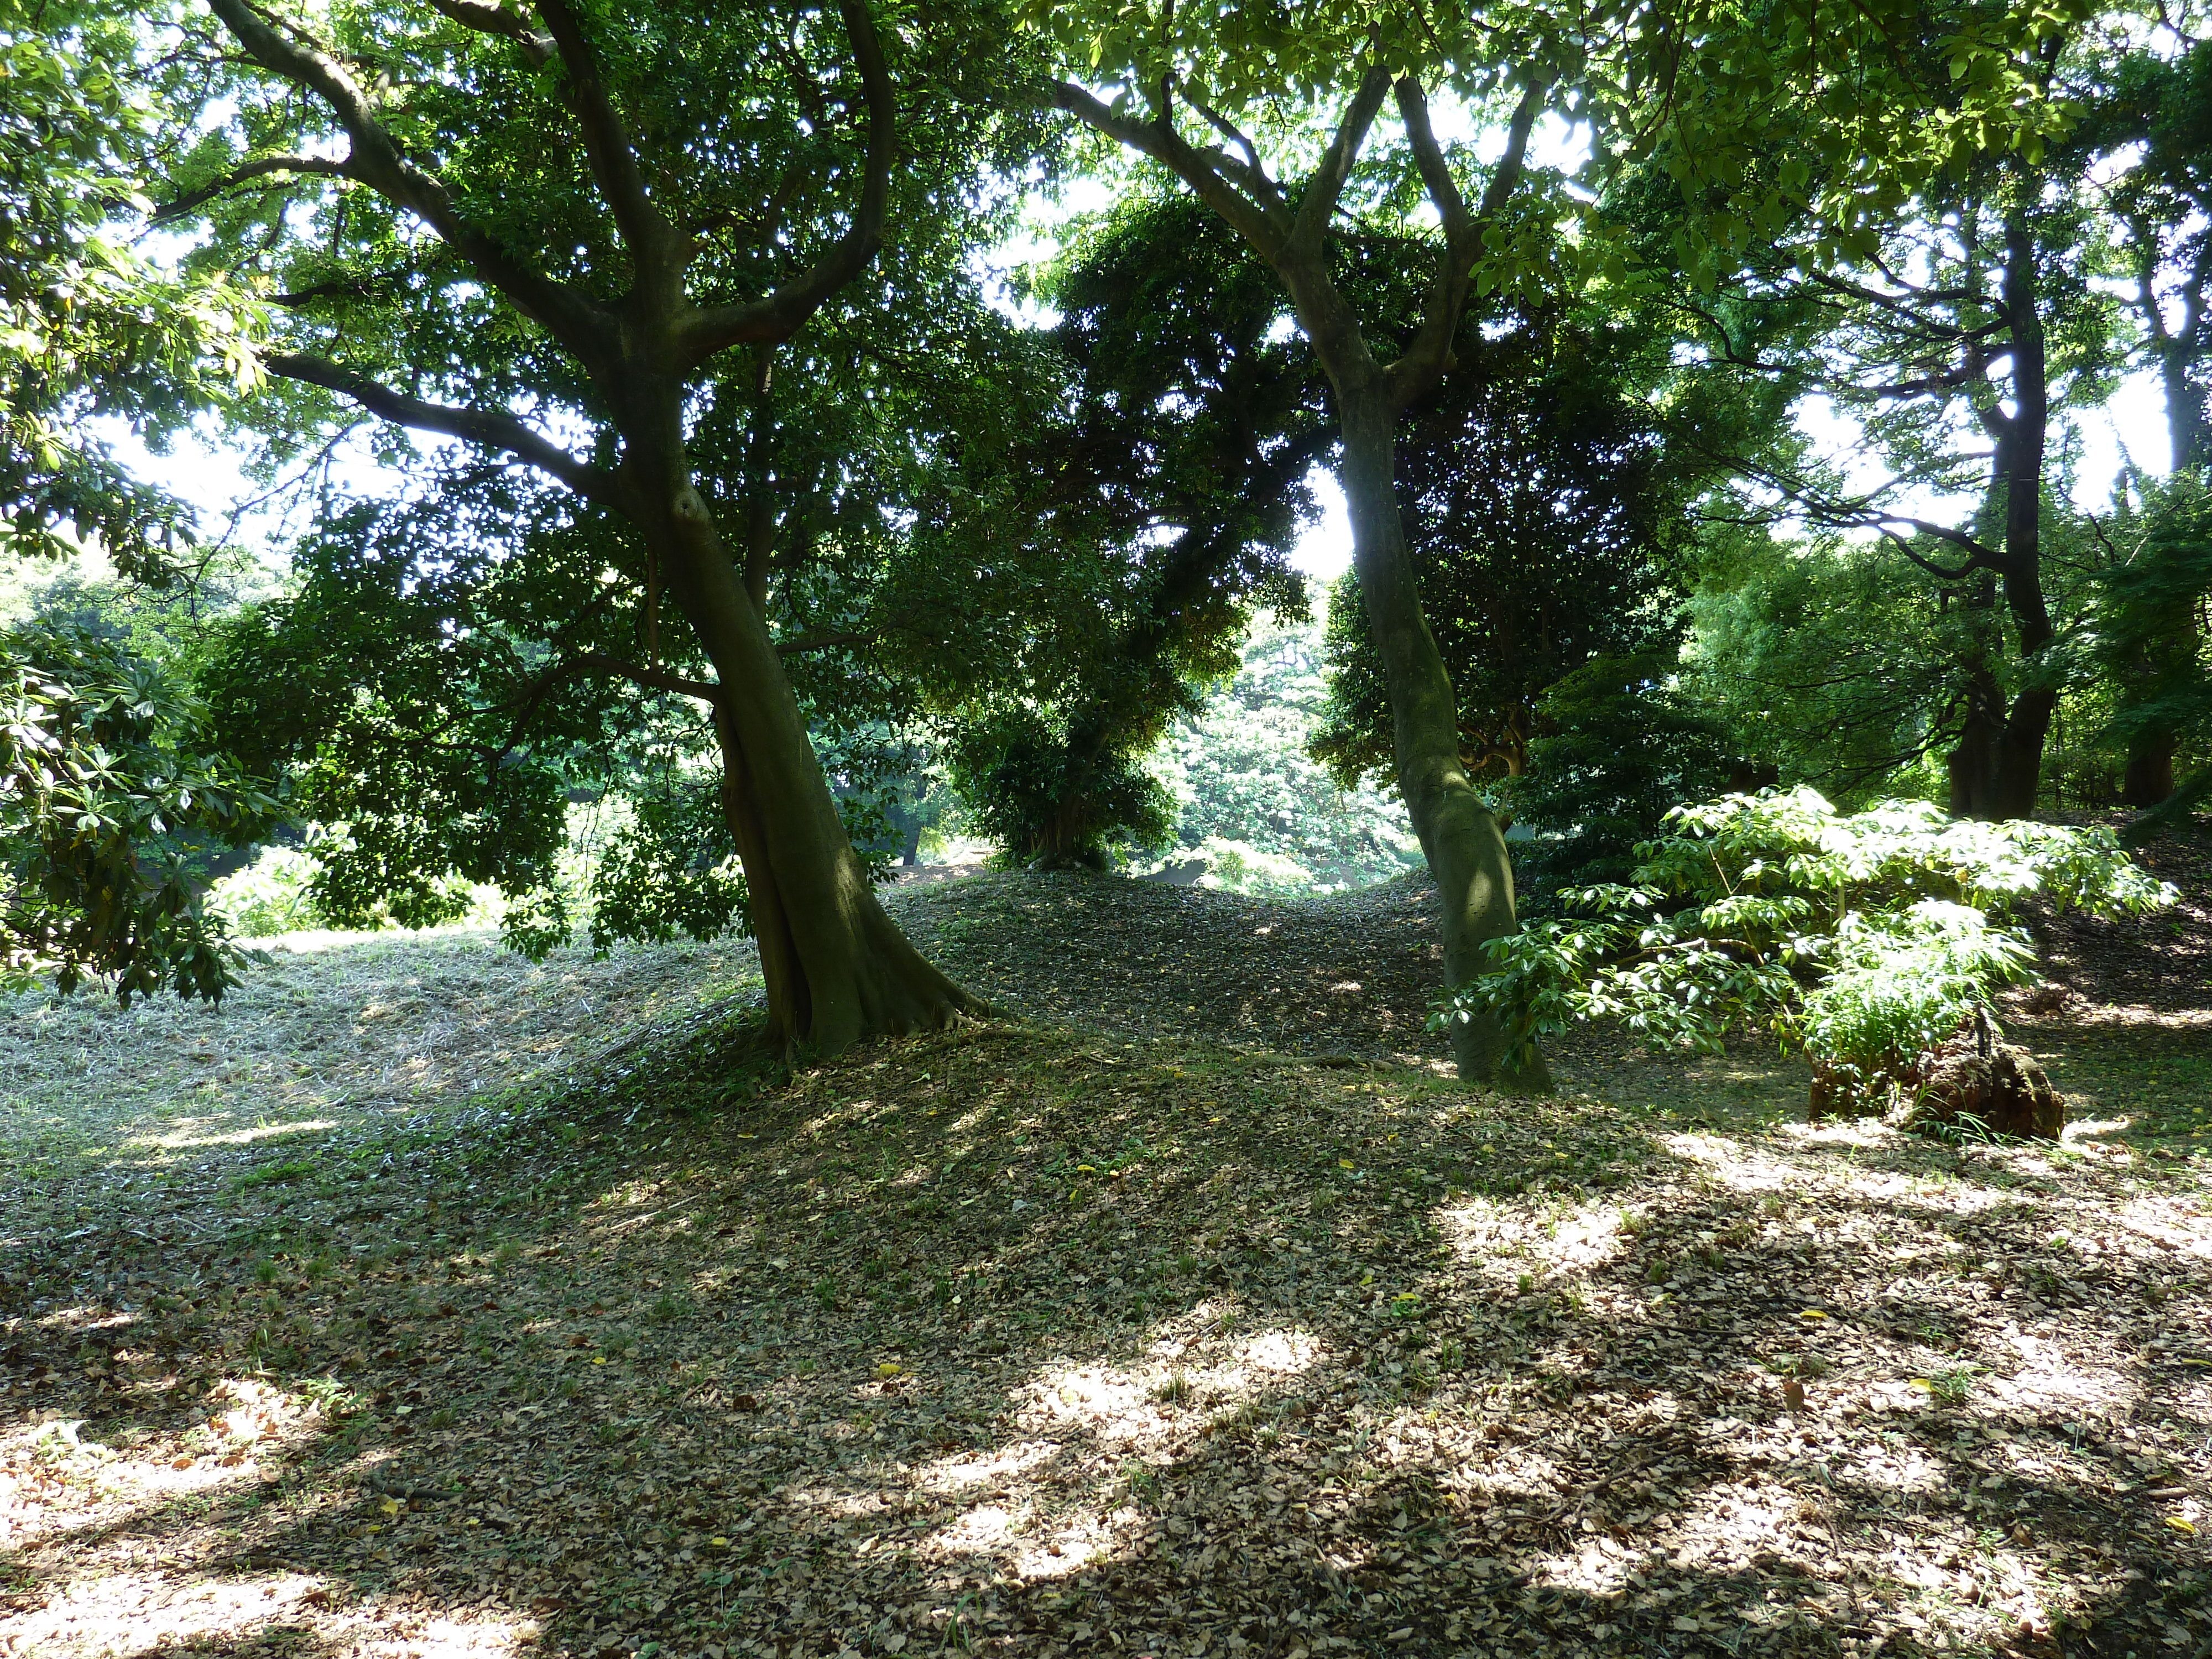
point(332, 1027)
point(2125, 1027)
point(1035, 1342)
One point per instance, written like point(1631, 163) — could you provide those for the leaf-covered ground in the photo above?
point(1102, 1336)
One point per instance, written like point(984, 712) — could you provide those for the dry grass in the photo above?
point(334, 1026)
point(1044, 1342)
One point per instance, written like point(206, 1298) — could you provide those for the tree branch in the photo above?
point(192, 201)
point(1430, 354)
point(1249, 171)
point(1263, 222)
point(488, 428)
point(655, 243)
point(828, 642)
point(497, 19)
point(377, 161)
point(778, 315)
point(1317, 202)
point(654, 679)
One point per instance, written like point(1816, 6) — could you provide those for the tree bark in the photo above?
point(1996, 770)
point(1460, 835)
point(837, 968)
point(2149, 778)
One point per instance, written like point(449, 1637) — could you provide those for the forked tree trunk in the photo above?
point(1460, 835)
point(1997, 767)
point(837, 968)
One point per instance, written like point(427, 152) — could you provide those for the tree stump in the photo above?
point(1999, 1086)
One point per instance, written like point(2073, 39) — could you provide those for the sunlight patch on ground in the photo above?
point(121, 1613)
point(1500, 1243)
point(2153, 1220)
point(124, 1612)
point(190, 1132)
point(948, 1476)
point(55, 1483)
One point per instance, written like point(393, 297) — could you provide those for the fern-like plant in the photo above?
point(1860, 940)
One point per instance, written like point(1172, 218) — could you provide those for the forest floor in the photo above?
point(421, 1302)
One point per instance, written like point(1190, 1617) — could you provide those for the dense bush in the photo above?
point(1862, 939)
point(109, 810)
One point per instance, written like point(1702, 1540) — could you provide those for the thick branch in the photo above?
point(1260, 218)
point(653, 241)
point(489, 428)
point(376, 160)
point(497, 19)
point(1317, 203)
point(654, 679)
point(777, 316)
point(1430, 354)
point(830, 642)
point(193, 200)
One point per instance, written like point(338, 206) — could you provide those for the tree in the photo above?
point(1546, 517)
point(1974, 325)
point(2158, 116)
point(2157, 126)
point(109, 796)
point(1175, 67)
point(1177, 475)
point(452, 668)
point(2152, 625)
point(500, 229)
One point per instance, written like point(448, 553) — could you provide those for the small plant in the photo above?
point(1144, 1483)
point(1175, 1391)
point(266, 1272)
point(272, 1175)
point(1955, 1384)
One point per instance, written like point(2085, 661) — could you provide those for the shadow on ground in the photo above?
point(1037, 1342)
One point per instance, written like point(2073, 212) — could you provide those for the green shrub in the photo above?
point(269, 896)
point(1860, 940)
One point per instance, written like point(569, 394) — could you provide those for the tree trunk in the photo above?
point(2148, 779)
point(1996, 770)
point(837, 968)
point(1996, 767)
point(1459, 834)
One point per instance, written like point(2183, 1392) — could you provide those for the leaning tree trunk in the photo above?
point(837, 968)
point(1460, 835)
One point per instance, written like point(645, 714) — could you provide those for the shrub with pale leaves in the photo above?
point(1860, 940)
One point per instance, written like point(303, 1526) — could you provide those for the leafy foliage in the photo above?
point(2152, 637)
point(1167, 497)
point(1247, 787)
point(1544, 513)
point(1619, 741)
point(88, 328)
point(1860, 938)
point(107, 802)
